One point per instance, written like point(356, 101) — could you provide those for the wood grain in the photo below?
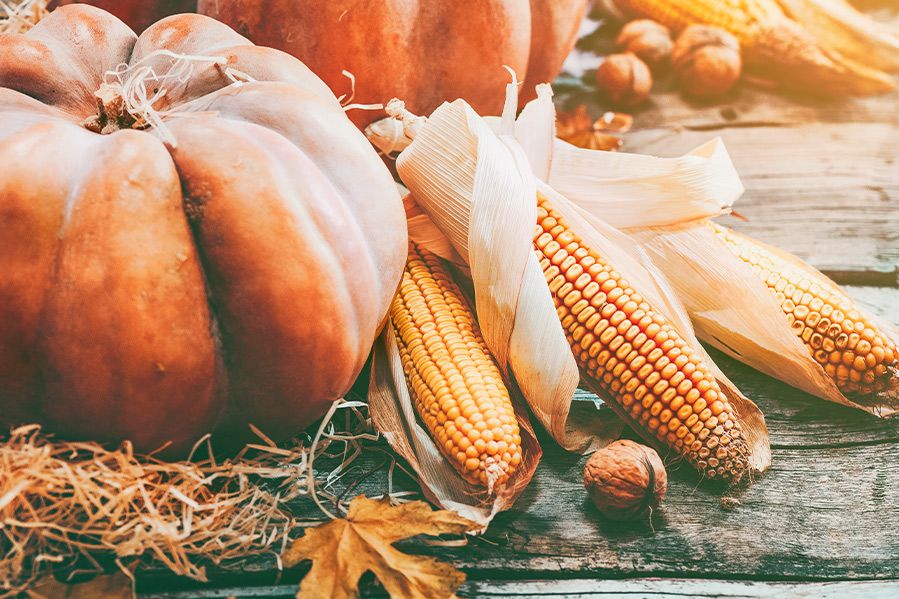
point(828, 193)
point(647, 588)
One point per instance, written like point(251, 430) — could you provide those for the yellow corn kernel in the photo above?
point(862, 358)
point(742, 18)
point(653, 376)
point(455, 384)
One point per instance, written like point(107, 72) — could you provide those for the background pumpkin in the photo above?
point(138, 14)
point(236, 273)
point(422, 51)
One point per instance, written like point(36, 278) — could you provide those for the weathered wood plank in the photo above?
point(750, 106)
point(828, 193)
point(747, 105)
point(649, 588)
point(654, 588)
point(817, 515)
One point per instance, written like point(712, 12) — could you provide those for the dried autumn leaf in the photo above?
point(343, 550)
point(579, 129)
point(113, 586)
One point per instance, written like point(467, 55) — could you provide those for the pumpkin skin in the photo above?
point(153, 290)
point(422, 51)
point(138, 14)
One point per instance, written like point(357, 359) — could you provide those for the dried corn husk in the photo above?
point(836, 24)
point(478, 188)
point(425, 233)
point(393, 413)
point(664, 204)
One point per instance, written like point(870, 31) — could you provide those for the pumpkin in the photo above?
point(421, 51)
point(231, 264)
point(138, 14)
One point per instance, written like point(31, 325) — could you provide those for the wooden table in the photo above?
point(822, 181)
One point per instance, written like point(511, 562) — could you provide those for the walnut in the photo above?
point(650, 41)
point(625, 480)
point(707, 60)
point(624, 78)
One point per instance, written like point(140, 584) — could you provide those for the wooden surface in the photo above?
point(822, 181)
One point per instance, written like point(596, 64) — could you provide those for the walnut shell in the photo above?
point(707, 60)
point(649, 40)
point(625, 480)
point(624, 78)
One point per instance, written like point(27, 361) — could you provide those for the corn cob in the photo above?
point(627, 349)
point(774, 46)
point(456, 386)
point(851, 349)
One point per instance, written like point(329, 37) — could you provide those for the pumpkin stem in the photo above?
point(112, 114)
point(130, 96)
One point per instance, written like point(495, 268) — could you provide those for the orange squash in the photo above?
point(422, 51)
point(138, 14)
point(231, 264)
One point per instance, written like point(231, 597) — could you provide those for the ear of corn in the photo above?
point(456, 386)
point(839, 25)
point(860, 358)
point(774, 46)
point(740, 17)
point(627, 349)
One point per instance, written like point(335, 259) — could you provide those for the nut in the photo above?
point(650, 41)
point(625, 480)
point(707, 60)
point(624, 78)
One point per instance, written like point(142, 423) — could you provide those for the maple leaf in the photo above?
point(576, 127)
point(113, 586)
point(343, 550)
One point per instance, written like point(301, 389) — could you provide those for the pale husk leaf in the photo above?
point(730, 306)
point(425, 233)
point(480, 192)
point(393, 413)
point(839, 26)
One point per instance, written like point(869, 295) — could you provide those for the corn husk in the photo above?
point(837, 25)
point(664, 204)
point(393, 414)
point(478, 190)
point(477, 187)
point(393, 410)
point(425, 233)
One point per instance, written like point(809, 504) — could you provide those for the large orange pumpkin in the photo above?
point(232, 264)
point(138, 14)
point(423, 51)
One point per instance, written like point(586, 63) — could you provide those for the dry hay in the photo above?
point(62, 502)
point(19, 17)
